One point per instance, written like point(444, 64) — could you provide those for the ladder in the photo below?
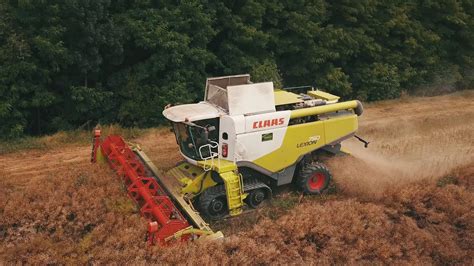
point(233, 183)
point(234, 190)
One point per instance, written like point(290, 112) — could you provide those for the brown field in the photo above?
point(408, 199)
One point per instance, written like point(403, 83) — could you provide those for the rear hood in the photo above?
point(192, 112)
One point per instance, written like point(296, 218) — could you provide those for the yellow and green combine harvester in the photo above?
point(240, 143)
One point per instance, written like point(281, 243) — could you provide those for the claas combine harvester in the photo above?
point(241, 142)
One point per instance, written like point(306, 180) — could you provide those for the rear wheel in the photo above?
point(313, 178)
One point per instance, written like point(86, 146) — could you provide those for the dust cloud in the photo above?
point(413, 146)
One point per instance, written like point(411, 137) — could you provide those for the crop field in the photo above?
point(406, 199)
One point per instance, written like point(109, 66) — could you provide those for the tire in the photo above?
point(212, 202)
point(313, 178)
point(255, 198)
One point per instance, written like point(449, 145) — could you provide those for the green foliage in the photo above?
point(378, 81)
point(65, 64)
point(336, 81)
point(267, 71)
point(171, 45)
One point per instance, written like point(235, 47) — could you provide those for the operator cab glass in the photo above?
point(191, 137)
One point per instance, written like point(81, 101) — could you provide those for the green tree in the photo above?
point(378, 81)
point(67, 63)
point(165, 59)
point(31, 52)
point(267, 71)
point(240, 43)
point(95, 49)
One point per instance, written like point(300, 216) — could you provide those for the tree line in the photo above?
point(67, 63)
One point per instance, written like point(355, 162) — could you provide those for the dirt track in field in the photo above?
point(409, 198)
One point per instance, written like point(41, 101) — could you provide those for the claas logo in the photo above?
point(269, 123)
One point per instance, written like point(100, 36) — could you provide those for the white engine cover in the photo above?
point(251, 98)
point(251, 137)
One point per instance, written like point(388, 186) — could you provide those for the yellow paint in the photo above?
point(317, 94)
point(323, 109)
point(218, 165)
point(199, 184)
point(284, 97)
point(303, 138)
point(209, 235)
point(99, 157)
point(336, 128)
point(232, 181)
point(234, 191)
point(193, 178)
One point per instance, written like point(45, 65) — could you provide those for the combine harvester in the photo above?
point(241, 142)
